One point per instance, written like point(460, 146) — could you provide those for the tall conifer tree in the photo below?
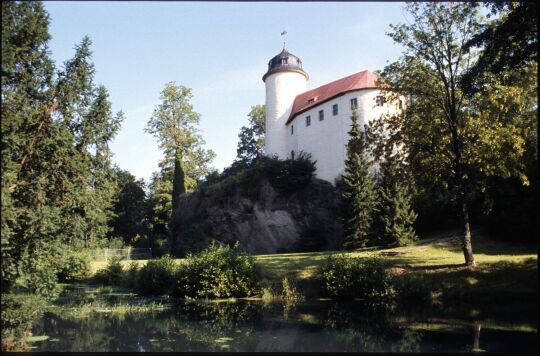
point(395, 215)
point(359, 195)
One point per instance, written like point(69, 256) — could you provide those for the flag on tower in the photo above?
point(283, 33)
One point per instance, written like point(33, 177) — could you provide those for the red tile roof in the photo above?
point(305, 101)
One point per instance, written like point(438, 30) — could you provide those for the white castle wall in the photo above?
point(281, 90)
point(326, 140)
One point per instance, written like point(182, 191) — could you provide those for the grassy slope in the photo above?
point(504, 270)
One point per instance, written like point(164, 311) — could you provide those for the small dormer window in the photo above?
point(283, 60)
point(354, 104)
point(311, 100)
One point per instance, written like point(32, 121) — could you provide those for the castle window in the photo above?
point(334, 110)
point(308, 120)
point(283, 60)
point(354, 104)
point(292, 129)
point(380, 100)
point(321, 115)
point(292, 154)
point(400, 104)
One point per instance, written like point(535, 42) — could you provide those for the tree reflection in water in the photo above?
point(255, 326)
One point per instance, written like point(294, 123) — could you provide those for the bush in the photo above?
point(40, 277)
point(74, 266)
point(157, 276)
point(286, 176)
point(412, 286)
point(290, 293)
point(19, 312)
point(132, 275)
point(112, 274)
point(344, 277)
point(218, 272)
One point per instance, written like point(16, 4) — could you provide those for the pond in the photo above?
point(308, 326)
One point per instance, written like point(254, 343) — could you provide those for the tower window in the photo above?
point(308, 120)
point(354, 103)
point(292, 129)
point(283, 60)
point(292, 154)
point(380, 100)
point(334, 109)
point(321, 115)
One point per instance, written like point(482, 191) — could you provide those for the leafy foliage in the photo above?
point(130, 210)
point(19, 312)
point(173, 123)
point(57, 186)
point(112, 274)
point(344, 277)
point(219, 272)
point(73, 266)
point(510, 41)
point(251, 138)
point(157, 276)
point(286, 176)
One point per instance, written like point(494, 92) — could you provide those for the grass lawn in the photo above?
point(503, 270)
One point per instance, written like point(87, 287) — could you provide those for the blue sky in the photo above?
point(220, 50)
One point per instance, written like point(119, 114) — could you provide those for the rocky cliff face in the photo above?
point(264, 221)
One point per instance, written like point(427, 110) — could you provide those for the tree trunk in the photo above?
point(466, 243)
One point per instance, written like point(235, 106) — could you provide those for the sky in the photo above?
point(220, 50)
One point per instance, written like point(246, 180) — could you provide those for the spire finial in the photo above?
point(284, 34)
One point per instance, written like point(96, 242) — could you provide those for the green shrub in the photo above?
point(286, 176)
point(74, 266)
point(412, 286)
point(157, 276)
point(344, 277)
point(290, 293)
point(132, 275)
point(218, 272)
point(40, 278)
point(112, 274)
point(19, 312)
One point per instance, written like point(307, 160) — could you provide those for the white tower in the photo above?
point(284, 80)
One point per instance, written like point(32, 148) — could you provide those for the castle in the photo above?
point(316, 121)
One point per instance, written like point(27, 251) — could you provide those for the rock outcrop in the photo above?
point(264, 221)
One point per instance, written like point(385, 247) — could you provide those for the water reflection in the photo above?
point(255, 326)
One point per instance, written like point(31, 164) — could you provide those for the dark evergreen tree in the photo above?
point(179, 184)
point(29, 139)
point(55, 158)
point(130, 210)
point(179, 187)
point(359, 194)
point(395, 214)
